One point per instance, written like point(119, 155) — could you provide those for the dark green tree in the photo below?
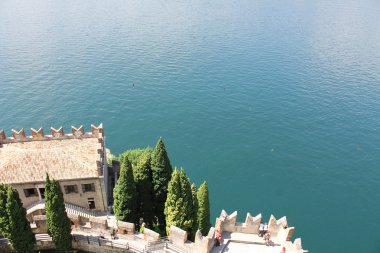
point(19, 233)
point(59, 225)
point(161, 174)
point(125, 199)
point(195, 209)
point(142, 174)
point(4, 219)
point(188, 208)
point(174, 203)
point(203, 209)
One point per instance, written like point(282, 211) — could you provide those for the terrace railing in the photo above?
point(134, 247)
point(70, 208)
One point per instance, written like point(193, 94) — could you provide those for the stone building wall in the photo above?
point(93, 168)
point(80, 198)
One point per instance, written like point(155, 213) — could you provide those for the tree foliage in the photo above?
point(143, 177)
point(20, 234)
point(59, 225)
point(190, 215)
point(203, 209)
point(134, 155)
point(195, 210)
point(14, 225)
point(179, 210)
point(125, 199)
point(161, 174)
point(174, 202)
point(4, 219)
point(160, 193)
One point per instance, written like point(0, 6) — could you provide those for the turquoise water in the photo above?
point(275, 103)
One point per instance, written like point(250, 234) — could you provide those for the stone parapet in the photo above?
point(38, 135)
point(201, 244)
point(151, 235)
point(125, 227)
point(294, 247)
point(177, 236)
point(278, 228)
point(228, 223)
point(274, 225)
point(98, 223)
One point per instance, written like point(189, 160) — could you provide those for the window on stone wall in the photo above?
point(30, 192)
point(88, 187)
point(71, 189)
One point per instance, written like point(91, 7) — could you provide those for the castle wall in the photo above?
point(278, 228)
point(80, 198)
point(201, 244)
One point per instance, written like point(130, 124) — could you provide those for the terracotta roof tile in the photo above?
point(23, 162)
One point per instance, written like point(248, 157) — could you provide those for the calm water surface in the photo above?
point(275, 103)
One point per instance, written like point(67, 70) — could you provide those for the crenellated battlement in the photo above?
point(56, 134)
point(229, 223)
point(232, 231)
point(278, 228)
point(201, 244)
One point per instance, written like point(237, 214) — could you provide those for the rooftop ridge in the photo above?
point(56, 134)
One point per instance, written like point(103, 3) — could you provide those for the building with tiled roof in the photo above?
point(77, 160)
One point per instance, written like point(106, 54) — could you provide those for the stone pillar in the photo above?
point(39, 193)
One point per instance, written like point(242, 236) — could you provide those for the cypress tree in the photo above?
point(142, 174)
point(125, 201)
point(19, 233)
point(161, 174)
point(173, 206)
point(188, 209)
point(195, 209)
point(4, 219)
point(203, 209)
point(179, 209)
point(59, 225)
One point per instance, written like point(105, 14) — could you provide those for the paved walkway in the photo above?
point(247, 243)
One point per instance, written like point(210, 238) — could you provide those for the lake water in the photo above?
point(275, 103)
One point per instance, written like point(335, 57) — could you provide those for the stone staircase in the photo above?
point(3, 241)
point(80, 211)
point(70, 209)
point(43, 237)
